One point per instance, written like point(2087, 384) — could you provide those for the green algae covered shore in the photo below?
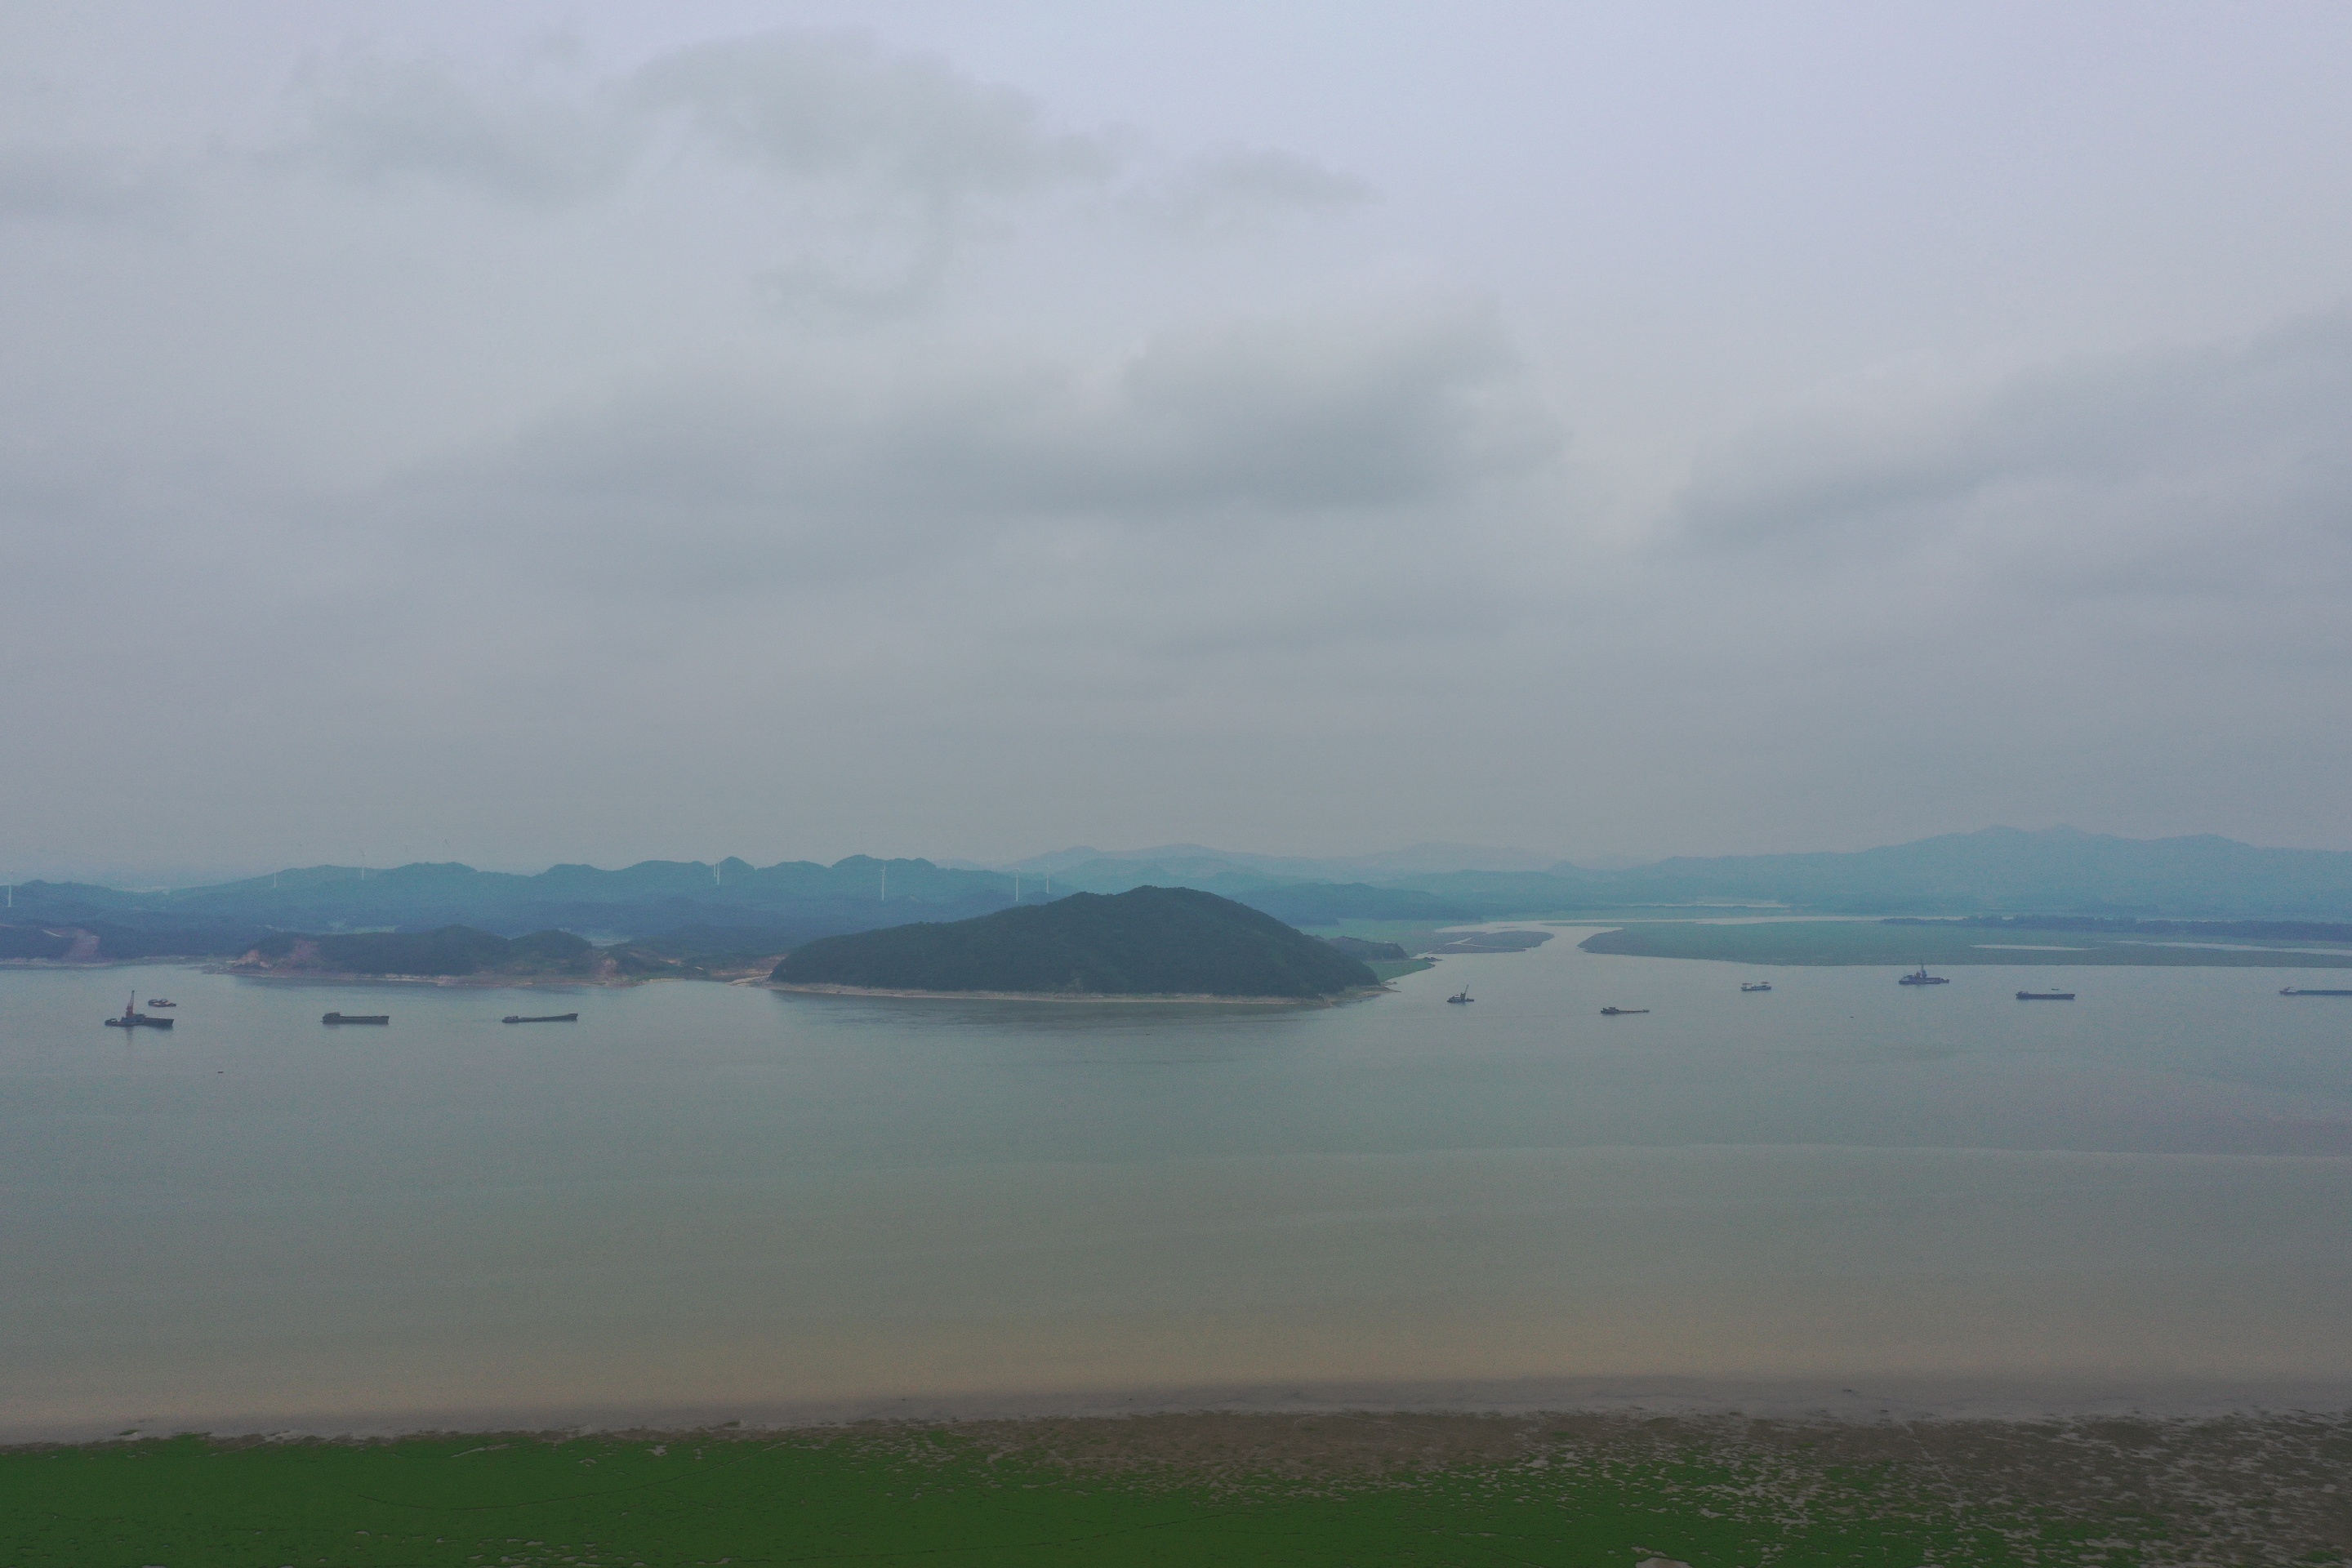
point(1300, 1491)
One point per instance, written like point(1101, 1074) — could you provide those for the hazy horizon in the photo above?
point(578, 431)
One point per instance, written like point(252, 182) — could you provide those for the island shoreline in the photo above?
point(813, 988)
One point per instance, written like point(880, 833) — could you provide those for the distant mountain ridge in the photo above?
point(1995, 870)
point(1413, 859)
point(2058, 870)
point(796, 900)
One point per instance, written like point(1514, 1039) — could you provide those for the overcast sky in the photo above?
point(525, 433)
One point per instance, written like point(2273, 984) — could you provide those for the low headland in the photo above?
point(1995, 940)
point(462, 955)
point(1148, 944)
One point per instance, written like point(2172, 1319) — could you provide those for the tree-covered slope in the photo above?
point(1145, 942)
point(450, 951)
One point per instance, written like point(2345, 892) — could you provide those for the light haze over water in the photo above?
point(715, 1201)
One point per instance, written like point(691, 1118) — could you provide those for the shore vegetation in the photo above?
point(1304, 1491)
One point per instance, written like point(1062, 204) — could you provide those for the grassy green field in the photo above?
point(1556, 1491)
point(1873, 942)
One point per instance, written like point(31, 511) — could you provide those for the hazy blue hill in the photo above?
point(648, 899)
point(1307, 903)
point(1329, 903)
point(1996, 872)
point(1485, 894)
point(1144, 942)
point(1198, 860)
point(53, 900)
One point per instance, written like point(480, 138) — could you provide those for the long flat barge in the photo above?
point(356, 1018)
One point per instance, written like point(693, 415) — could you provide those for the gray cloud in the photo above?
point(1416, 405)
point(890, 159)
point(374, 121)
point(480, 457)
point(834, 105)
point(2212, 469)
point(80, 184)
point(800, 106)
point(1236, 188)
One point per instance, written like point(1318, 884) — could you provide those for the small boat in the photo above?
point(1920, 977)
point(161, 1002)
point(2045, 995)
point(545, 1018)
point(1621, 1012)
point(2306, 991)
point(356, 1018)
point(1756, 985)
point(1462, 997)
point(134, 1020)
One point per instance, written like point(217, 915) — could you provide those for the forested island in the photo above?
point(1147, 941)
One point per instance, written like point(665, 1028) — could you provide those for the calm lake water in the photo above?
point(710, 1199)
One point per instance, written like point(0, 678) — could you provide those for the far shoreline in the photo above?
point(821, 989)
point(1855, 1398)
point(444, 982)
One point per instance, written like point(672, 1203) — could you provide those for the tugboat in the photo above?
point(2045, 995)
point(355, 1018)
point(133, 1019)
point(2306, 991)
point(1462, 997)
point(548, 1018)
point(1920, 977)
point(1756, 985)
point(1621, 1012)
point(161, 1002)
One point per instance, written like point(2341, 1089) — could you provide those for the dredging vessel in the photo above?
point(134, 1020)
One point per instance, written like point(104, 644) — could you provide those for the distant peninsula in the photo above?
point(1145, 943)
point(456, 954)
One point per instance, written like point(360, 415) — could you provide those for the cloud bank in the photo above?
point(799, 442)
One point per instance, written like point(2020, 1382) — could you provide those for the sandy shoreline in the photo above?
point(1860, 1400)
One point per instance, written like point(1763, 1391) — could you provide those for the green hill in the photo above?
point(450, 951)
point(1146, 942)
